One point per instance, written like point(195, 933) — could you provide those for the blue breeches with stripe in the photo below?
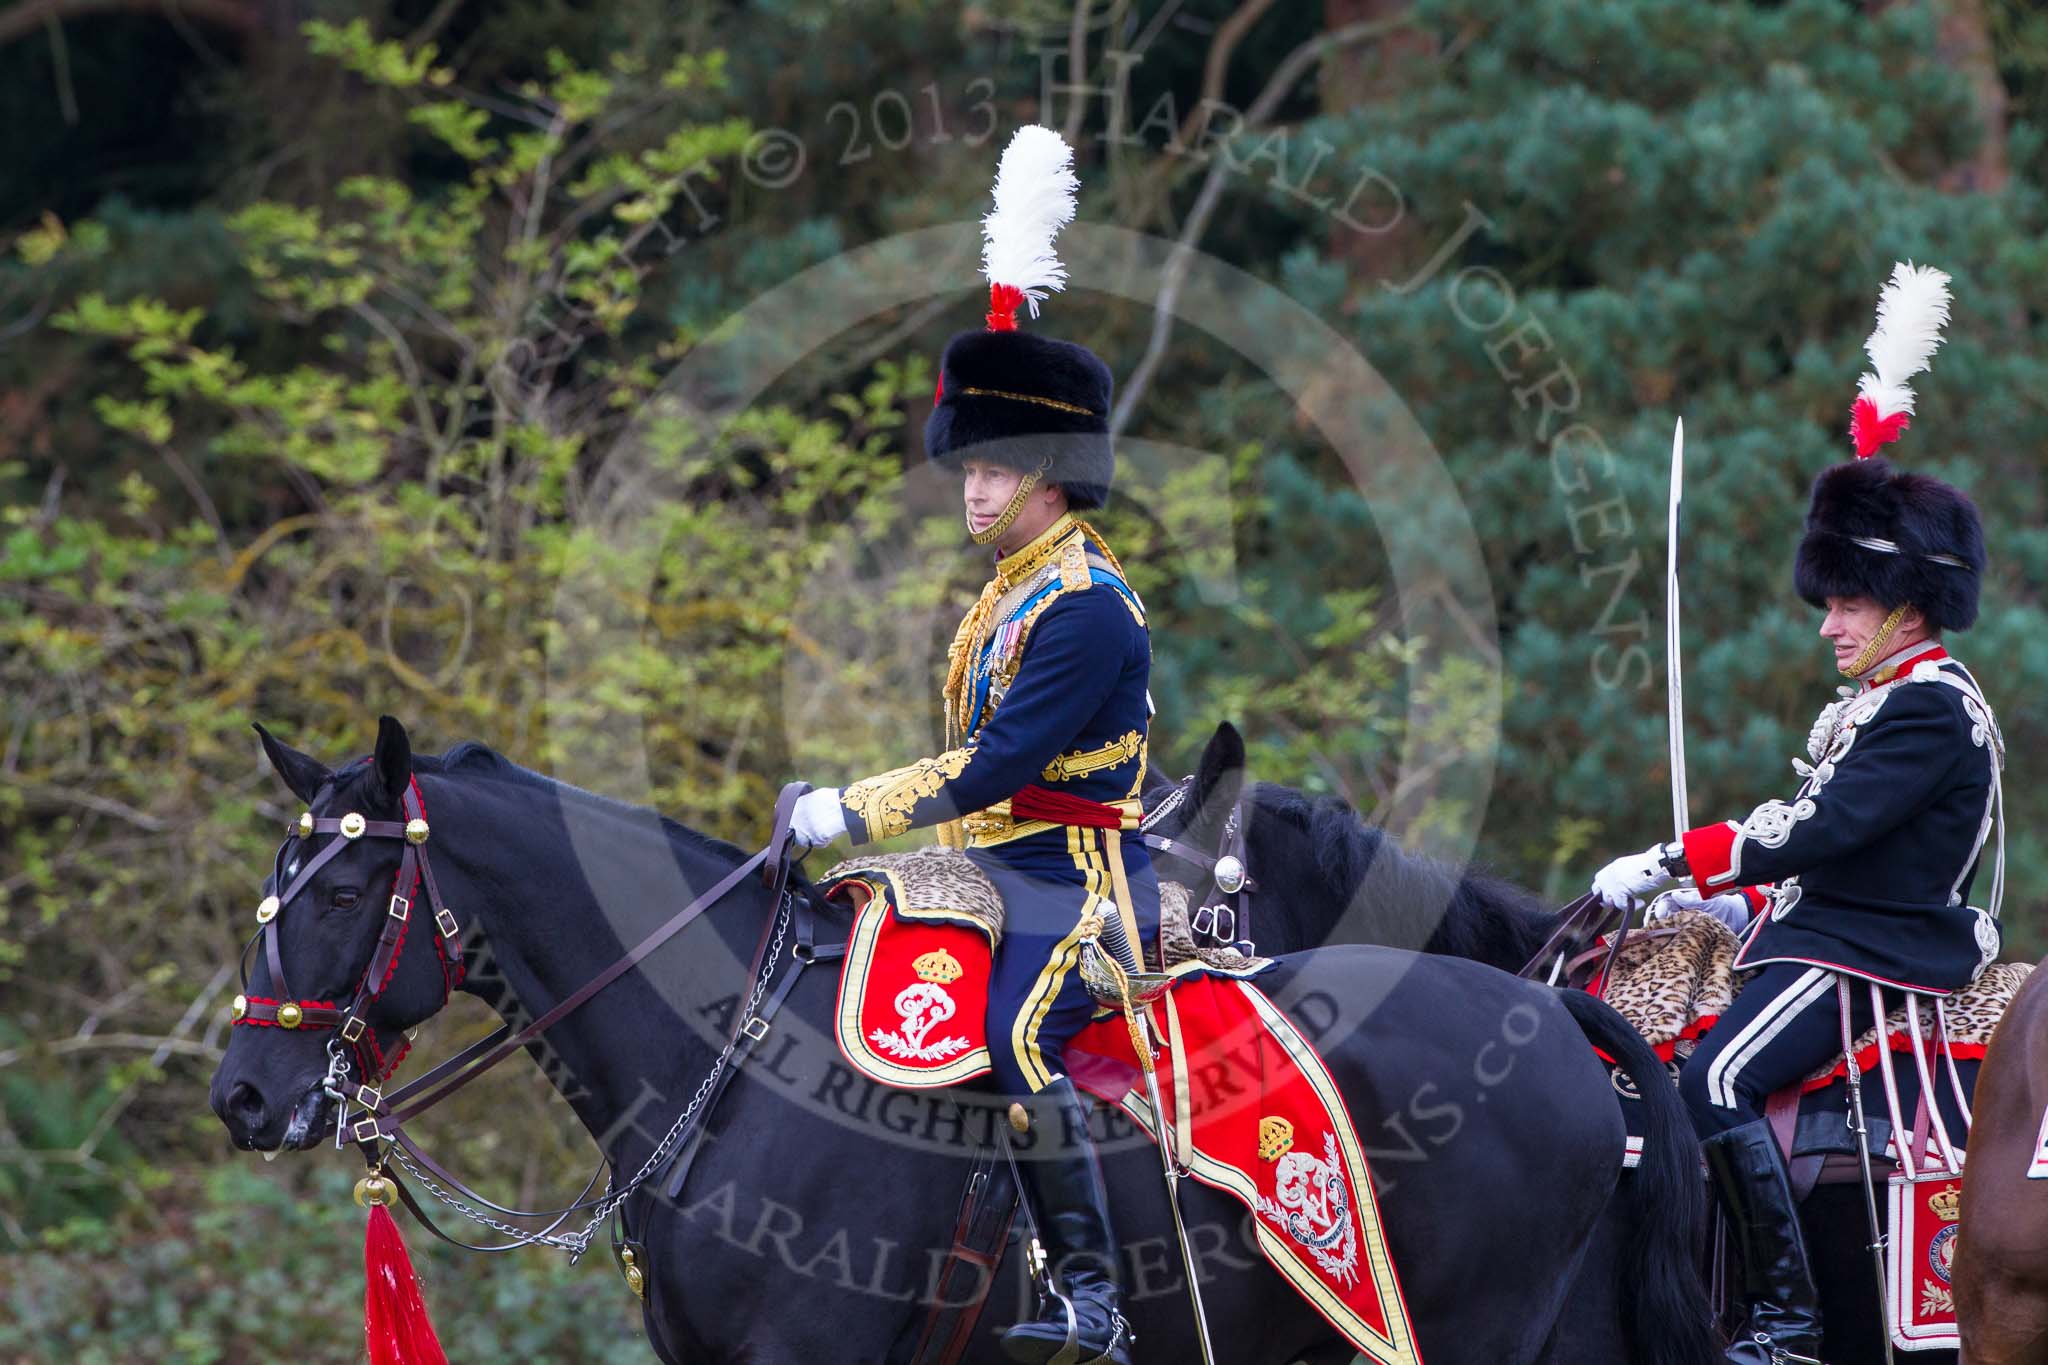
point(1785, 1025)
point(1048, 881)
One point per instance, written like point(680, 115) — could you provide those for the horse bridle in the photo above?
point(378, 1131)
point(353, 1031)
point(1229, 877)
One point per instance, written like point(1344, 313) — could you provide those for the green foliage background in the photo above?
point(315, 345)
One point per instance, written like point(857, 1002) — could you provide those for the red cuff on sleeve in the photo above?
point(1757, 898)
point(1708, 853)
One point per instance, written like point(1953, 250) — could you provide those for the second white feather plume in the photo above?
point(1911, 311)
point(1034, 199)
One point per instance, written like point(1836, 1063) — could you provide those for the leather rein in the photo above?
point(378, 1129)
point(1229, 880)
point(1584, 920)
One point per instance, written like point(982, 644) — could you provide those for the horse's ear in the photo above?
point(392, 761)
point(1221, 772)
point(1156, 788)
point(304, 774)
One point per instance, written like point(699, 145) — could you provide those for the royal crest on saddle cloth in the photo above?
point(1920, 1262)
point(924, 1006)
point(913, 996)
point(1311, 1201)
point(1238, 1126)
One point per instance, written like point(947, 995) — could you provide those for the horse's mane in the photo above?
point(473, 758)
point(1488, 918)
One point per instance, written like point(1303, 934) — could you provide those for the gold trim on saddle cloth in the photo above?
point(1398, 1349)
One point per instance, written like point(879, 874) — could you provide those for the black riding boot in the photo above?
point(1777, 1281)
point(1080, 1324)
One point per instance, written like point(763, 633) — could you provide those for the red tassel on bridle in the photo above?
point(395, 1322)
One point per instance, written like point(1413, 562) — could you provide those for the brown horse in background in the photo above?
point(2001, 1270)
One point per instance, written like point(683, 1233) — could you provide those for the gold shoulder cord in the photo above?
point(1095, 539)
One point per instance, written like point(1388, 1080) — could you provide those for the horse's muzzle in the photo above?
point(254, 1125)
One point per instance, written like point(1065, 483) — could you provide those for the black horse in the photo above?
point(1326, 877)
point(812, 1218)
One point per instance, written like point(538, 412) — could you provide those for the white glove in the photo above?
point(1730, 907)
point(1625, 881)
point(818, 818)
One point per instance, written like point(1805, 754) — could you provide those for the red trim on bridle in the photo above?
point(372, 1065)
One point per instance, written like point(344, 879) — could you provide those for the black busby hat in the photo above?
point(1899, 539)
point(1013, 398)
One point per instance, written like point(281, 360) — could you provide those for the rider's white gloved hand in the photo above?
point(1625, 881)
point(1730, 907)
point(818, 818)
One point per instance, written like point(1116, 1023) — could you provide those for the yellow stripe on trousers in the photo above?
point(1051, 977)
point(1098, 855)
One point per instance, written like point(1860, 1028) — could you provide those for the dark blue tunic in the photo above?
point(1051, 697)
point(1874, 858)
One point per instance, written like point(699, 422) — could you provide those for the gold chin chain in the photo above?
point(1874, 651)
point(1016, 505)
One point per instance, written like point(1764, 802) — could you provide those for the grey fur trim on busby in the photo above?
point(1016, 399)
point(1862, 508)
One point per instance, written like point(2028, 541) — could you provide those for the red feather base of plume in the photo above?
point(1871, 430)
point(1003, 302)
point(394, 1315)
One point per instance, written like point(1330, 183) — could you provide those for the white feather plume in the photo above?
point(1911, 311)
point(1034, 199)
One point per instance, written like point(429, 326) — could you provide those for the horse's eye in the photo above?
point(345, 897)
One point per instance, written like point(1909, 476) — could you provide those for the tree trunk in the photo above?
point(1391, 242)
point(1963, 44)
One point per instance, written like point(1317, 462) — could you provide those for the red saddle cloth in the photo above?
point(1252, 1111)
point(913, 995)
point(1251, 1108)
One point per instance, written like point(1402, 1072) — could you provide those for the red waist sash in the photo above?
point(1064, 808)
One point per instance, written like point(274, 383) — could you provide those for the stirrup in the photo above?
point(1781, 1356)
point(1069, 1351)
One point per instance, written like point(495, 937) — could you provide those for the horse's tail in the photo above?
point(1664, 1305)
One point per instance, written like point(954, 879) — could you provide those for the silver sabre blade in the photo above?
point(1135, 995)
point(1674, 686)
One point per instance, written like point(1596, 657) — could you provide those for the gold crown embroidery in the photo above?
point(938, 966)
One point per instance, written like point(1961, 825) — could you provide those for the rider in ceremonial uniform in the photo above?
point(1046, 719)
point(1867, 870)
